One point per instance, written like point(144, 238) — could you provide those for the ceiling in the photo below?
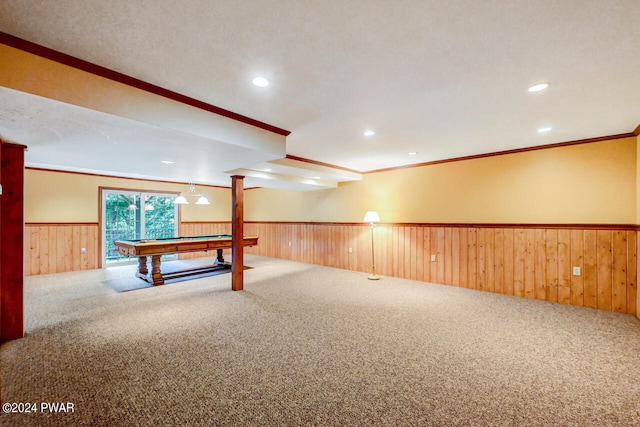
point(439, 79)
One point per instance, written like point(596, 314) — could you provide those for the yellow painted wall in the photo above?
point(587, 183)
point(71, 197)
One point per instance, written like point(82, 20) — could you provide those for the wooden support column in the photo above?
point(11, 241)
point(237, 231)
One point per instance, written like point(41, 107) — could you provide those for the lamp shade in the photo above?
point(202, 201)
point(181, 200)
point(371, 216)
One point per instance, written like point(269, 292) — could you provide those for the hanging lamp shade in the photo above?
point(182, 198)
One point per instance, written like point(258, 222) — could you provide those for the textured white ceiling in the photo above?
point(442, 78)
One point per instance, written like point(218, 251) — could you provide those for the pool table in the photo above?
point(157, 247)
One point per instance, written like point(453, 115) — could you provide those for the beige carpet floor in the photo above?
point(305, 345)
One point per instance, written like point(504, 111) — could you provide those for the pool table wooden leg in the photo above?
point(156, 275)
point(142, 265)
point(219, 259)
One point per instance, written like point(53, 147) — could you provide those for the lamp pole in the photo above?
point(372, 217)
point(373, 258)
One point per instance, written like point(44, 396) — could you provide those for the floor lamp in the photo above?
point(372, 217)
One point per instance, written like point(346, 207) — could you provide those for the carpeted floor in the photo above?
point(305, 345)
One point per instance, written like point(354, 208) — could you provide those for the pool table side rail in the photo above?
point(179, 245)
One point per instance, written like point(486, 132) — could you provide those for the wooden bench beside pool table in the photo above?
point(158, 247)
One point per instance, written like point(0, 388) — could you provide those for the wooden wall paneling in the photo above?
point(529, 280)
point(447, 258)
point(274, 242)
point(637, 274)
point(359, 260)
point(44, 249)
point(378, 231)
point(619, 271)
point(480, 259)
point(490, 255)
point(402, 249)
point(411, 266)
point(363, 247)
point(297, 231)
point(75, 247)
point(552, 264)
point(393, 249)
point(296, 241)
point(414, 249)
point(407, 253)
point(311, 244)
point(590, 270)
point(293, 236)
point(419, 253)
point(509, 260)
point(540, 264)
point(93, 248)
point(350, 242)
point(340, 247)
point(84, 258)
point(328, 251)
point(577, 260)
point(440, 254)
point(283, 239)
point(34, 251)
point(303, 243)
point(302, 256)
point(526, 261)
point(472, 267)
point(498, 260)
point(426, 253)
point(65, 237)
point(564, 266)
point(604, 269)
point(632, 271)
point(325, 247)
point(464, 257)
point(433, 248)
point(519, 248)
point(455, 256)
point(331, 254)
point(53, 250)
point(336, 249)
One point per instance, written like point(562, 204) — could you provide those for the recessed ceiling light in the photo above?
point(369, 133)
point(413, 153)
point(544, 129)
point(261, 82)
point(538, 87)
point(167, 162)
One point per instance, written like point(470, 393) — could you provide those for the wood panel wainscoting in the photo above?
point(57, 247)
point(530, 261)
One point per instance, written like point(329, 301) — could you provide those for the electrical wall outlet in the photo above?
point(350, 250)
point(83, 250)
point(576, 271)
point(433, 258)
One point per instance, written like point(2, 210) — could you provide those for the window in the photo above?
point(135, 215)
